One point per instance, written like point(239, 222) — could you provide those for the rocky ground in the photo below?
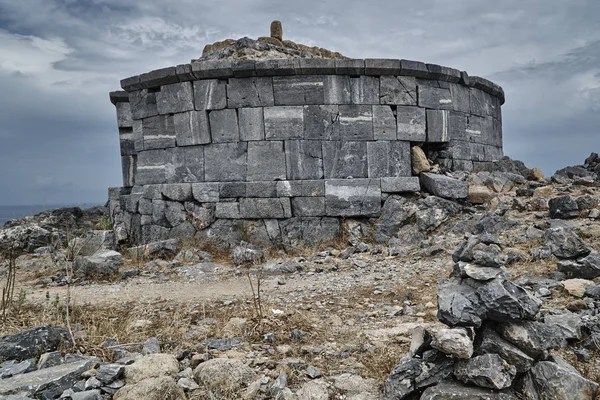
point(496, 297)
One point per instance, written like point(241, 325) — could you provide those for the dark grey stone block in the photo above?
point(206, 192)
point(462, 165)
point(493, 153)
point(460, 97)
point(477, 130)
point(438, 126)
point(252, 124)
point(400, 184)
point(398, 90)
point(441, 73)
point(118, 96)
point(285, 122)
point(151, 192)
point(382, 66)
point(150, 167)
point(411, 123)
point(232, 189)
point(177, 191)
point(138, 135)
point(124, 118)
point(350, 67)
point(344, 159)
point(127, 144)
point(143, 104)
point(384, 123)
point(175, 98)
point(364, 90)
point(310, 188)
point(184, 72)
point(129, 167)
point(259, 208)
point(158, 78)
point(266, 161)
point(321, 122)
point(353, 197)
point(483, 104)
point(250, 92)
point(308, 206)
point(444, 186)
point(227, 210)
point(337, 89)
point(158, 132)
point(243, 68)
point(277, 67)
point(388, 159)
point(261, 189)
point(132, 83)
point(317, 66)
point(298, 90)
point(435, 97)
point(191, 128)
point(213, 69)
point(184, 164)
point(304, 159)
point(356, 122)
point(224, 126)
point(413, 68)
point(210, 94)
point(226, 161)
point(145, 206)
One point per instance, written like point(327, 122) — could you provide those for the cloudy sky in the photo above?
point(60, 58)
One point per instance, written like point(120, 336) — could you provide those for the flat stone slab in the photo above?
point(400, 184)
point(353, 197)
point(444, 186)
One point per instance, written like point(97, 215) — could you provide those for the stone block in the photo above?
point(118, 96)
point(353, 67)
point(251, 123)
point(143, 104)
point(364, 90)
point(184, 164)
point(191, 128)
point(206, 192)
point(175, 98)
point(128, 168)
point(298, 90)
point(127, 144)
point(184, 72)
point(145, 206)
point(284, 122)
point(441, 73)
point(304, 159)
point(317, 66)
point(311, 188)
point(398, 90)
point(266, 161)
point(277, 67)
point(124, 117)
point(138, 135)
point(224, 126)
point(259, 208)
point(232, 189)
point(460, 98)
point(492, 153)
point(243, 68)
point(477, 130)
point(438, 126)
point(261, 189)
point(356, 122)
point(213, 69)
point(226, 162)
point(400, 184)
point(337, 89)
point(158, 78)
point(388, 159)
point(250, 92)
point(227, 210)
point(177, 191)
point(384, 123)
point(444, 186)
point(308, 206)
point(151, 192)
point(413, 68)
point(210, 94)
point(411, 123)
point(382, 66)
point(435, 97)
point(158, 132)
point(345, 159)
point(353, 197)
point(131, 84)
point(321, 122)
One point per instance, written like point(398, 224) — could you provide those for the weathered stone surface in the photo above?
point(435, 97)
point(284, 122)
point(310, 188)
point(124, 117)
point(583, 268)
point(101, 263)
point(205, 192)
point(243, 254)
point(388, 159)
point(175, 98)
point(489, 342)
point(394, 213)
point(143, 104)
point(458, 303)
point(353, 197)
point(563, 207)
point(157, 388)
point(564, 243)
point(261, 189)
point(419, 161)
point(477, 272)
point(337, 89)
point(577, 287)
point(438, 126)
point(560, 381)
point(227, 210)
point(177, 191)
point(321, 122)
point(191, 128)
point(31, 343)
point(224, 374)
point(250, 92)
point(210, 94)
point(454, 391)
point(455, 342)
point(364, 90)
point(251, 122)
point(158, 132)
point(444, 186)
point(400, 184)
point(384, 123)
point(224, 126)
point(232, 189)
point(225, 162)
point(308, 231)
point(487, 371)
point(308, 206)
point(506, 301)
point(303, 159)
point(254, 208)
point(345, 159)
point(570, 324)
point(398, 90)
point(480, 194)
point(356, 122)
point(266, 161)
point(151, 366)
point(298, 90)
point(532, 337)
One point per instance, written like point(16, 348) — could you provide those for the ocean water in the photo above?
point(15, 212)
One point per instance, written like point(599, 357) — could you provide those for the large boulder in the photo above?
point(506, 301)
point(560, 381)
point(444, 186)
point(151, 366)
point(458, 303)
point(583, 268)
point(224, 374)
point(31, 343)
point(487, 371)
point(158, 388)
point(566, 244)
point(101, 264)
point(26, 237)
point(563, 207)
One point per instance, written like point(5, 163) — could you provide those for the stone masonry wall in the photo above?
point(287, 147)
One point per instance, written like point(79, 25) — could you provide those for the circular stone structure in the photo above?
point(281, 150)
